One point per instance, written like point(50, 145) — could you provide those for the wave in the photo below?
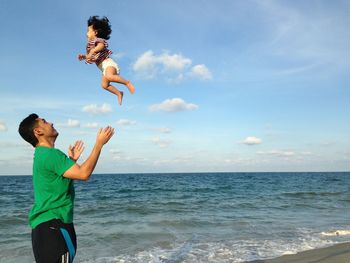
point(312, 194)
point(198, 249)
point(336, 233)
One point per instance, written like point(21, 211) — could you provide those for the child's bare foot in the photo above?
point(130, 87)
point(120, 97)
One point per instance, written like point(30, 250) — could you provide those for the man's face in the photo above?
point(45, 128)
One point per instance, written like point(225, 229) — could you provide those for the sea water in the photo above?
point(194, 217)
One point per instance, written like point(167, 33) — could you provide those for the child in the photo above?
point(97, 52)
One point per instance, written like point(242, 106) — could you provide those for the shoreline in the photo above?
point(219, 172)
point(339, 253)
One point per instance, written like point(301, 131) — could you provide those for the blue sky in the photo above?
point(220, 85)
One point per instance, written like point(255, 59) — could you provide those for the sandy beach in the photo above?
point(335, 254)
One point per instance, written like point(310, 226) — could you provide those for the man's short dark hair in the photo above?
point(26, 129)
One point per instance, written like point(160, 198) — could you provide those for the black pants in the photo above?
point(54, 242)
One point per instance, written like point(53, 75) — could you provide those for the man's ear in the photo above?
point(38, 131)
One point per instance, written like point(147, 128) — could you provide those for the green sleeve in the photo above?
point(58, 162)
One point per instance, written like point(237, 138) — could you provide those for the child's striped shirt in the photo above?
point(100, 56)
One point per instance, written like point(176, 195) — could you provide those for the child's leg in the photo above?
point(111, 75)
point(112, 89)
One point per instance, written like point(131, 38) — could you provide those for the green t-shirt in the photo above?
point(53, 193)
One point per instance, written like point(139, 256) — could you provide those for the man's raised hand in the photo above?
point(104, 135)
point(75, 150)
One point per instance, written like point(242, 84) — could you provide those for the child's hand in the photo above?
point(89, 56)
point(81, 57)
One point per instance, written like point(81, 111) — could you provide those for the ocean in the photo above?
point(191, 217)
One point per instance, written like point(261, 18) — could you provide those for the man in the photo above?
point(51, 218)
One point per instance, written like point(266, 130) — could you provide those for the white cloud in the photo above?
point(288, 155)
point(296, 70)
point(120, 156)
point(117, 155)
point(11, 144)
point(174, 62)
point(173, 105)
point(251, 140)
point(70, 123)
point(148, 62)
point(165, 130)
point(277, 153)
point(115, 151)
point(162, 143)
point(125, 122)
point(118, 56)
point(173, 161)
point(346, 156)
point(240, 160)
point(3, 126)
point(145, 64)
point(174, 67)
point(94, 109)
point(306, 153)
point(81, 133)
point(202, 72)
point(91, 125)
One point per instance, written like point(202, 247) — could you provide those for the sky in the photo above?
point(221, 86)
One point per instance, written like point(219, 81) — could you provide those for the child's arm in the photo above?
point(99, 47)
point(93, 51)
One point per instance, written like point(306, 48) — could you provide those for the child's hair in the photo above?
point(101, 25)
point(26, 129)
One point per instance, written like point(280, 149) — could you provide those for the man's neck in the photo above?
point(47, 142)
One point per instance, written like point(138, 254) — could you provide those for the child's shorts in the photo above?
point(108, 62)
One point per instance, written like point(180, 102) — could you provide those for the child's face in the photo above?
point(91, 33)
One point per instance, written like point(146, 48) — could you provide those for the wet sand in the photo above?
point(335, 254)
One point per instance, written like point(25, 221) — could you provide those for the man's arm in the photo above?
point(84, 171)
